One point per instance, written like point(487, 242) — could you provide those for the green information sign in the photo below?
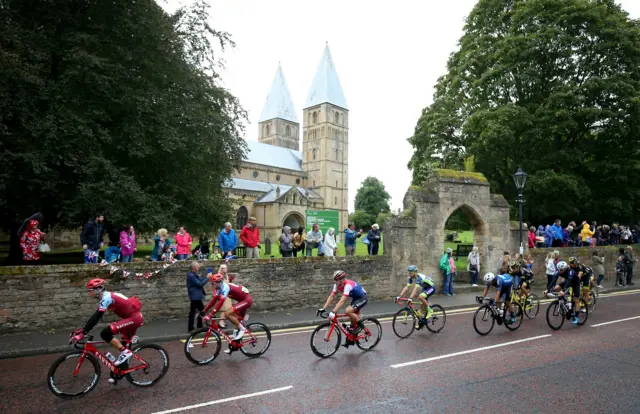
point(326, 219)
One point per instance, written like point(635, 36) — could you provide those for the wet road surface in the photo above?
point(576, 369)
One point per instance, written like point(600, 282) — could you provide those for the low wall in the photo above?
point(54, 297)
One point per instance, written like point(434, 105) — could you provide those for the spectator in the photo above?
point(532, 237)
point(614, 234)
point(556, 234)
point(112, 253)
point(350, 237)
point(620, 270)
point(528, 261)
point(168, 253)
point(548, 236)
point(250, 236)
point(586, 235)
point(215, 255)
point(566, 235)
point(540, 237)
point(127, 244)
point(550, 265)
point(92, 238)
point(604, 235)
point(183, 241)
point(503, 263)
point(286, 242)
point(227, 240)
point(299, 241)
point(629, 263)
point(195, 289)
point(30, 241)
point(160, 242)
point(374, 238)
point(314, 238)
point(448, 268)
point(625, 235)
point(598, 268)
point(202, 250)
point(596, 234)
point(473, 265)
point(330, 247)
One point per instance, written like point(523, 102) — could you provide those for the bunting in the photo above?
point(139, 276)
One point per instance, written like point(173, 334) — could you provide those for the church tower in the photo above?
point(325, 140)
point(278, 124)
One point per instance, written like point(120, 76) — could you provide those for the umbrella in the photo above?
point(38, 217)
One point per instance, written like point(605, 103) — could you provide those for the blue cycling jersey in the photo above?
point(504, 281)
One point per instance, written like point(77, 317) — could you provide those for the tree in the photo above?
point(382, 219)
point(361, 219)
point(372, 197)
point(549, 85)
point(114, 107)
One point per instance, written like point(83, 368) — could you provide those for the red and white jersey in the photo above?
point(116, 303)
point(350, 288)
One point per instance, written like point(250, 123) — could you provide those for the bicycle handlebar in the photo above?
point(81, 343)
point(322, 314)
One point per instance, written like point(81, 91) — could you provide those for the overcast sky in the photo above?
point(388, 55)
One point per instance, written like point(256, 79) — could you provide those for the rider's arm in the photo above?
point(485, 292)
point(95, 318)
point(217, 300)
point(404, 290)
point(329, 300)
point(498, 295)
point(415, 290)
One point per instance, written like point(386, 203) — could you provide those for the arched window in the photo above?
point(268, 128)
point(336, 183)
point(288, 131)
point(336, 154)
point(337, 118)
point(342, 119)
point(295, 198)
point(309, 116)
point(336, 201)
point(314, 153)
point(241, 217)
point(315, 118)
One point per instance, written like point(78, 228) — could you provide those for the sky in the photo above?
point(388, 56)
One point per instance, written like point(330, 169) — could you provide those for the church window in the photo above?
point(336, 183)
point(337, 117)
point(288, 131)
point(322, 132)
point(255, 174)
point(268, 130)
point(297, 181)
point(314, 153)
point(314, 183)
point(336, 201)
point(294, 199)
point(315, 118)
point(277, 178)
point(342, 119)
point(309, 116)
point(241, 217)
point(336, 154)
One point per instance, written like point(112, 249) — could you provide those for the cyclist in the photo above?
point(515, 271)
point(568, 278)
point(586, 276)
point(238, 312)
point(428, 288)
point(503, 285)
point(126, 308)
point(358, 295)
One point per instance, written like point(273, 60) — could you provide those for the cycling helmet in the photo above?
point(563, 265)
point(95, 284)
point(412, 268)
point(573, 260)
point(489, 277)
point(216, 278)
point(339, 275)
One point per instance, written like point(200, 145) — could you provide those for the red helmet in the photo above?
point(95, 284)
point(339, 275)
point(216, 278)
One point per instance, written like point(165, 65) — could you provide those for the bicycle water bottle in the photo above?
point(109, 356)
point(569, 305)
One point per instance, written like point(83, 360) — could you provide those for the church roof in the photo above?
point(279, 103)
point(326, 85)
point(270, 189)
point(265, 154)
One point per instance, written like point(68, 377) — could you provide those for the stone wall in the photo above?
point(54, 297)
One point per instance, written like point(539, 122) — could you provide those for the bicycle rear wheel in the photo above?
point(325, 340)
point(583, 314)
point(531, 305)
point(592, 302)
point(517, 314)
point(483, 320)
point(64, 384)
point(438, 320)
point(555, 315)
point(202, 348)
point(156, 360)
point(404, 323)
point(372, 331)
point(258, 342)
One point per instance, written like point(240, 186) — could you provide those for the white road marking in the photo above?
point(610, 322)
point(224, 400)
point(469, 351)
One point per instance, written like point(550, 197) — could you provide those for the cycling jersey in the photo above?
point(352, 289)
point(425, 282)
point(119, 304)
point(572, 281)
point(233, 291)
point(504, 283)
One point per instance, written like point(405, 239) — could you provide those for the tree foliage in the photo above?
point(361, 219)
point(372, 197)
point(114, 107)
point(549, 85)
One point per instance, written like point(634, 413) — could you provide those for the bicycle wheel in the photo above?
point(592, 302)
point(555, 315)
point(517, 314)
point(531, 305)
point(372, 331)
point(438, 320)
point(483, 320)
point(256, 340)
point(199, 351)
point(583, 315)
point(326, 335)
point(64, 384)
point(156, 360)
point(404, 323)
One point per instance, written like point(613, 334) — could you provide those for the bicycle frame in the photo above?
point(334, 323)
point(412, 305)
point(90, 349)
point(214, 327)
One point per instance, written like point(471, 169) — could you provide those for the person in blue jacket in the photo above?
point(195, 289)
point(227, 241)
point(350, 236)
point(556, 234)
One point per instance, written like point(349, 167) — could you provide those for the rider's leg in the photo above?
point(425, 305)
point(231, 315)
point(353, 316)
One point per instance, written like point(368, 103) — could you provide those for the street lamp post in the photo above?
point(520, 178)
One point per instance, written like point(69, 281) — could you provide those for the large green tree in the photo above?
point(372, 197)
point(114, 107)
point(552, 86)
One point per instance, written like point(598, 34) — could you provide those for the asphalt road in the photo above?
point(577, 369)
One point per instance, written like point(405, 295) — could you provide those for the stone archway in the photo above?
point(293, 220)
point(417, 235)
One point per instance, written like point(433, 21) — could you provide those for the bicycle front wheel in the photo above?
point(202, 348)
point(483, 320)
point(404, 323)
point(438, 320)
point(325, 340)
point(258, 341)
point(555, 315)
point(531, 305)
point(372, 333)
point(152, 362)
point(517, 314)
point(64, 384)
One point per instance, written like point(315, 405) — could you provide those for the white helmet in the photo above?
point(562, 265)
point(489, 277)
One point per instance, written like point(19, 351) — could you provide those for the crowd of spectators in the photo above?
point(585, 235)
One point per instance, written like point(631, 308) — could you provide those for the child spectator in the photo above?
point(216, 254)
point(112, 254)
point(620, 269)
point(167, 254)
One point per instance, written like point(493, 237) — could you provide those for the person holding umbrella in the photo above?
point(30, 241)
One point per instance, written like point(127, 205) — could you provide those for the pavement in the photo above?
point(593, 368)
point(29, 344)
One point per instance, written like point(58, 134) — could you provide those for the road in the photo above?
point(594, 368)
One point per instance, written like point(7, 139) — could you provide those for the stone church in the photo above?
point(280, 179)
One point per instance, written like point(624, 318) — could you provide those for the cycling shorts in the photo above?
point(505, 293)
point(574, 284)
point(128, 326)
point(241, 307)
point(428, 292)
point(526, 282)
point(586, 280)
point(359, 303)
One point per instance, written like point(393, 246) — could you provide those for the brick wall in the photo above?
point(54, 297)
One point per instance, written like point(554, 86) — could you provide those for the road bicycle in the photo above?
point(203, 345)
point(407, 319)
point(148, 364)
point(330, 335)
point(593, 297)
point(490, 313)
point(530, 303)
point(560, 309)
